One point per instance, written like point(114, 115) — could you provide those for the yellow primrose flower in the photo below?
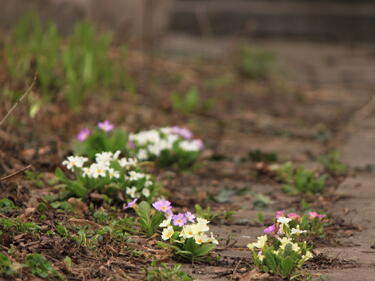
point(188, 231)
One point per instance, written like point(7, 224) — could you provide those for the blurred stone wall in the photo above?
point(132, 20)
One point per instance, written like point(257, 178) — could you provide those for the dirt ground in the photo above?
point(322, 99)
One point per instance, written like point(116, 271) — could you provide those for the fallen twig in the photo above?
point(18, 101)
point(15, 173)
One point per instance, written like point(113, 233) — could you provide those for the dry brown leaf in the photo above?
point(253, 276)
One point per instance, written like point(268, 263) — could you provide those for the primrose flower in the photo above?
point(297, 231)
point(259, 244)
point(135, 176)
point(142, 154)
point(188, 231)
point(74, 162)
point(167, 233)
point(201, 225)
point(131, 204)
point(284, 220)
point(162, 205)
point(280, 213)
point(194, 145)
point(106, 126)
point(270, 229)
point(182, 132)
point(314, 215)
point(260, 256)
point(168, 214)
point(112, 173)
point(293, 216)
point(201, 238)
point(165, 223)
point(190, 217)
point(179, 219)
point(146, 192)
point(127, 162)
point(97, 170)
point(83, 134)
point(131, 191)
point(212, 239)
point(104, 158)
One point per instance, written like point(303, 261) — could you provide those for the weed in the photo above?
point(262, 201)
point(6, 267)
point(205, 213)
point(190, 102)
point(164, 272)
point(15, 225)
point(7, 206)
point(41, 267)
point(260, 156)
point(300, 179)
point(333, 164)
point(256, 63)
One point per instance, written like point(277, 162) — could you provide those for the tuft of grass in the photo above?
point(255, 63)
point(41, 267)
point(164, 272)
point(332, 163)
point(67, 69)
point(6, 267)
point(298, 179)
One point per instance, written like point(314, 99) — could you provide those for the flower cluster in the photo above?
point(313, 223)
point(281, 250)
point(166, 145)
point(185, 230)
point(109, 170)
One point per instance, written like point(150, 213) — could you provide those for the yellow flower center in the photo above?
point(99, 171)
point(163, 208)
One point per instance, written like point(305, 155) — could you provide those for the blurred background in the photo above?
point(83, 48)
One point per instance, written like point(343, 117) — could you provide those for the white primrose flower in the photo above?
point(128, 162)
point(260, 256)
point(188, 146)
point(86, 172)
point(112, 173)
point(297, 231)
point(142, 154)
point(146, 192)
point(167, 233)
point(148, 183)
point(165, 223)
point(104, 158)
point(201, 238)
point(97, 170)
point(212, 239)
point(135, 176)
point(284, 220)
point(74, 162)
point(131, 191)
